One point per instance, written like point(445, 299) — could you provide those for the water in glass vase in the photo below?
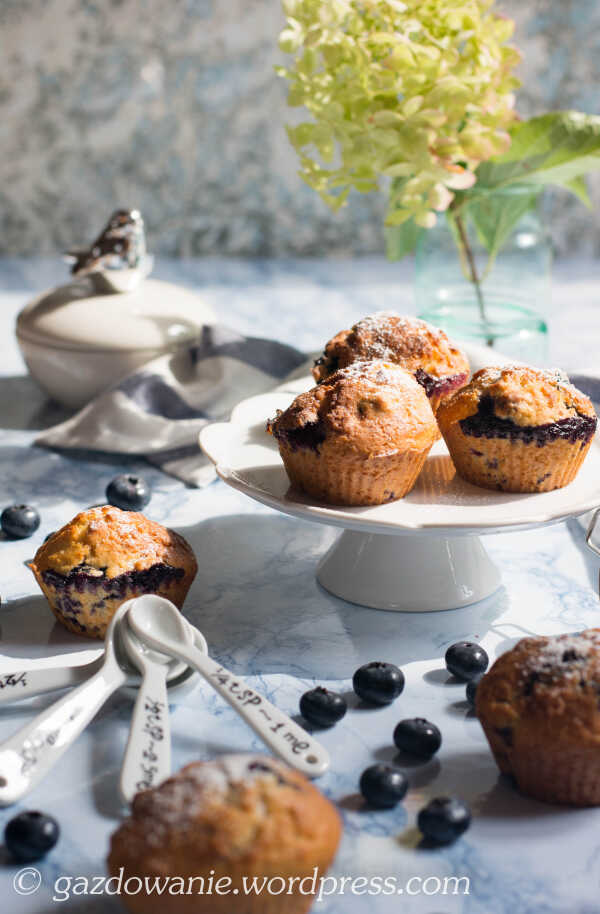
point(500, 301)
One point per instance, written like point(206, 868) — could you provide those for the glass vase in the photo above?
point(507, 305)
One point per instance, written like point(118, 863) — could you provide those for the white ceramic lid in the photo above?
point(84, 314)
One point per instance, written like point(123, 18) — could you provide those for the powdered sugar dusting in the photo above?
point(182, 798)
point(564, 655)
point(382, 329)
point(375, 370)
point(555, 376)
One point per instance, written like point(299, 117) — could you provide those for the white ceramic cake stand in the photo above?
point(418, 554)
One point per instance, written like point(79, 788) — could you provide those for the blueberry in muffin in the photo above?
point(104, 557)
point(518, 429)
point(436, 363)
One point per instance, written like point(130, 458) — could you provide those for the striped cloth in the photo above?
point(158, 411)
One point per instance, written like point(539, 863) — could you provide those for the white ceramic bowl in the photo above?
point(81, 338)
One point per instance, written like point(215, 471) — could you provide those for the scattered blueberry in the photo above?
point(378, 683)
point(471, 690)
point(19, 521)
point(130, 493)
point(444, 819)
point(418, 736)
point(30, 835)
point(47, 537)
point(466, 660)
point(383, 785)
point(321, 707)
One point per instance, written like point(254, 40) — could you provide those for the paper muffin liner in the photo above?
point(353, 480)
point(564, 776)
point(89, 613)
point(513, 465)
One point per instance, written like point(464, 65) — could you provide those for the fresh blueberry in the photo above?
point(471, 690)
point(444, 819)
point(130, 493)
point(30, 835)
point(466, 660)
point(418, 736)
point(19, 521)
point(321, 707)
point(383, 785)
point(378, 683)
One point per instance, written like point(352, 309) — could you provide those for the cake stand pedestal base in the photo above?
point(405, 573)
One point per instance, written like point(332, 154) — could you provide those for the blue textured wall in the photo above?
point(174, 107)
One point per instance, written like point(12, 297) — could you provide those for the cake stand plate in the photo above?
point(417, 554)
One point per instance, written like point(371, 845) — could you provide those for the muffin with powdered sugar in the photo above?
point(237, 819)
point(518, 429)
point(360, 437)
point(539, 708)
point(436, 363)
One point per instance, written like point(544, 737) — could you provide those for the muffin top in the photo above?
point(520, 394)
point(544, 688)
point(236, 807)
point(407, 341)
point(111, 541)
point(372, 408)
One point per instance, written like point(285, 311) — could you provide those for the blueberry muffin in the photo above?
point(538, 706)
point(237, 818)
point(518, 429)
point(104, 557)
point(360, 437)
point(438, 365)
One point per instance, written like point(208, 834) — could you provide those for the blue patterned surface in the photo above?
point(175, 108)
point(257, 602)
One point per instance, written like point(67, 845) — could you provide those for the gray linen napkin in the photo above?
point(158, 411)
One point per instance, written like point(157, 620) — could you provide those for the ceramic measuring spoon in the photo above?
point(34, 749)
point(22, 684)
point(39, 678)
point(160, 624)
point(147, 759)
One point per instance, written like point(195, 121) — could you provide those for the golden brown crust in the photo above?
point(526, 396)
point(407, 341)
point(235, 816)
point(539, 708)
point(371, 409)
point(113, 540)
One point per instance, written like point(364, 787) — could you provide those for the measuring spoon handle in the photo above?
point(28, 683)
point(28, 755)
point(147, 759)
point(287, 739)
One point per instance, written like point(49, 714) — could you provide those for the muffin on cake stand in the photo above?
point(417, 554)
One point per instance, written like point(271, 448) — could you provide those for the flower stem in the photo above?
point(474, 277)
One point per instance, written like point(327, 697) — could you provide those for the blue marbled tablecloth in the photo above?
point(257, 601)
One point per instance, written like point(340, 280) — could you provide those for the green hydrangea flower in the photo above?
point(417, 90)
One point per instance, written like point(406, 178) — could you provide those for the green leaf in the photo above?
point(578, 186)
point(401, 240)
point(496, 215)
point(554, 148)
